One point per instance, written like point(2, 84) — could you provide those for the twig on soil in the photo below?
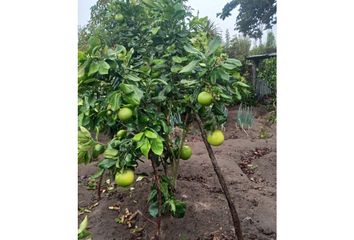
point(145, 217)
point(99, 187)
point(221, 179)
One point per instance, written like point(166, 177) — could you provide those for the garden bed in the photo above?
point(248, 163)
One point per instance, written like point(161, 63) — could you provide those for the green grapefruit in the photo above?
point(125, 179)
point(216, 138)
point(205, 98)
point(98, 149)
point(186, 152)
point(121, 133)
point(119, 17)
point(125, 114)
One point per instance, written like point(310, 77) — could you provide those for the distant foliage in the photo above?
point(268, 47)
point(227, 39)
point(239, 48)
point(254, 16)
point(268, 72)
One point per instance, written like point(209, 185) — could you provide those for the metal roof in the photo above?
point(261, 56)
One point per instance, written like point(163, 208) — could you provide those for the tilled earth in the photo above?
point(248, 163)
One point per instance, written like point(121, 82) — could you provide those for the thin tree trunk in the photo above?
point(217, 170)
point(157, 181)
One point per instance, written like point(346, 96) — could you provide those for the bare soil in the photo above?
point(248, 163)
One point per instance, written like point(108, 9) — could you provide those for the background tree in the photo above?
point(239, 47)
point(268, 47)
point(227, 39)
point(254, 16)
point(271, 43)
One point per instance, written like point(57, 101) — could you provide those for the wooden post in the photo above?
point(254, 73)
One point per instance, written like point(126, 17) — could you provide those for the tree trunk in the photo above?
point(221, 179)
point(157, 181)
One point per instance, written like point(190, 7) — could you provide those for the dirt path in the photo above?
point(249, 167)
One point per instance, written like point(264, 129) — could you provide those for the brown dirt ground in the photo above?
point(252, 188)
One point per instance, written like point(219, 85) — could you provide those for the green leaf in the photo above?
point(191, 49)
point(155, 30)
point(152, 196)
point(157, 80)
point(159, 61)
point(238, 95)
point(213, 76)
point(175, 68)
point(129, 55)
point(173, 206)
point(93, 42)
point(133, 78)
point(84, 134)
point(177, 59)
point(164, 190)
point(224, 75)
point(135, 97)
point(81, 71)
point(110, 153)
point(164, 126)
point(107, 163)
point(138, 136)
point(126, 88)
point(153, 209)
point(81, 56)
point(115, 100)
point(145, 148)
point(233, 61)
point(189, 67)
point(97, 174)
point(228, 66)
point(150, 134)
point(242, 84)
point(103, 67)
point(180, 209)
point(83, 225)
point(93, 68)
point(213, 46)
point(150, 3)
point(225, 96)
point(157, 146)
point(188, 82)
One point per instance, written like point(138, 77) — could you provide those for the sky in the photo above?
point(205, 7)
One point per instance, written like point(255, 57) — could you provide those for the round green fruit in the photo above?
point(109, 113)
point(121, 133)
point(125, 179)
point(98, 149)
point(119, 17)
point(125, 114)
point(205, 98)
point(216, 138)
point(186, 152)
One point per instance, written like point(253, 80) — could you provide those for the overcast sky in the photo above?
point(205, 7)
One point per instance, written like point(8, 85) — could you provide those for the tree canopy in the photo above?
point(254, 16)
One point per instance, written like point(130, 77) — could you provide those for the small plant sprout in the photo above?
point(244, 118)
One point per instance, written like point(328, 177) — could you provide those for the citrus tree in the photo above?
point(145, 73)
